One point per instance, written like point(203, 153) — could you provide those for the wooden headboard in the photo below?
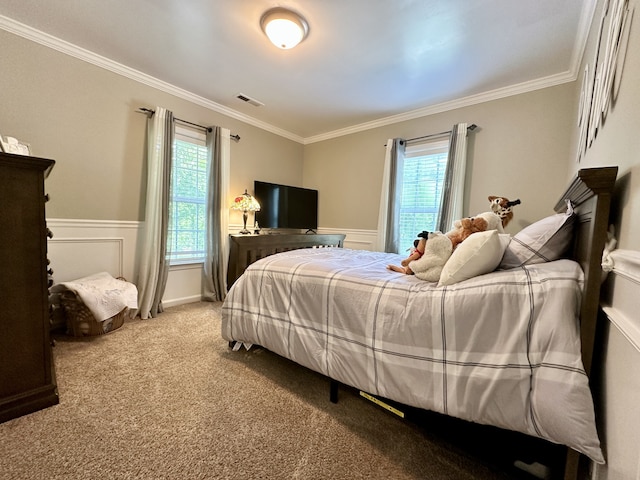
point(590, 194)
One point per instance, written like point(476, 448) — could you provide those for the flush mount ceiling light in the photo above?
point(285, 28)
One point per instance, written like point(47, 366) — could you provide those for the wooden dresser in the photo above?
point(246, 249)
point(27, 379)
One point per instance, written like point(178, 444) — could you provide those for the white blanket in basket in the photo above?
point(103, 295)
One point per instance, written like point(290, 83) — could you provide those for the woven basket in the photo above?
point(80, 320)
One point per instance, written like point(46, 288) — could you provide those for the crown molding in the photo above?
point(496, 94)
point(65, 47)
point(72, 50)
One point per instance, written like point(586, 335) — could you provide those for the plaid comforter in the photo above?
point(501, 349)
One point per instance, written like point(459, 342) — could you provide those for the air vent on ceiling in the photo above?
point(250, 100)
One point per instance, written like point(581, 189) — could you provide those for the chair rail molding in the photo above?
point(87, 223)
point(627, 264)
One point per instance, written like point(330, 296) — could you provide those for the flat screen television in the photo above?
point(284, 206)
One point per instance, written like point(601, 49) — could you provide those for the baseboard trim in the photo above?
point(174, 302)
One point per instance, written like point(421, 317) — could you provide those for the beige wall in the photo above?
point(85, 118)
point(520, 150)
point(618, 139)
point(618, 143)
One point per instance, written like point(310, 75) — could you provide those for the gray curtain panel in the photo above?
point(395, 191)
point(451, 206)
point(214, 266)
point(154, 264)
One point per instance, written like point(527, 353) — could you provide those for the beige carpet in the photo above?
point(167, 399)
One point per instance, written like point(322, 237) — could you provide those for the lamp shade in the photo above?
point(285, 28)
point(246, 203)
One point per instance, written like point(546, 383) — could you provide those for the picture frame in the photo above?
point(600, 87)
point(583, 114)
point(15, 146)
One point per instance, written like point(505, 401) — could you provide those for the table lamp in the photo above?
point(246, 203)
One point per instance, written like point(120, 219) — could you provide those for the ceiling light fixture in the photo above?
point(285, 28)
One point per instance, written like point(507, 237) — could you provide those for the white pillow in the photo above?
point(543, 241)
point(480, 253)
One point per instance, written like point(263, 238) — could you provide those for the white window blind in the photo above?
point(186, 239)
point(423, 175)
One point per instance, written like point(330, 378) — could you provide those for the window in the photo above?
point(423, 174)
point(187, 231)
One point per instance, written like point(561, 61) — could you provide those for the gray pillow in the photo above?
point(543, 241)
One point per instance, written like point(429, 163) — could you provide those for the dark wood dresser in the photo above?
point(246, 249)
point(27, 379)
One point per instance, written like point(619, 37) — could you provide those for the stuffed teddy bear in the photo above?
point(503, 207)
point(466, 226)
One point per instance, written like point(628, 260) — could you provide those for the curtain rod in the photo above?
point(471, 127)
point(208, 129)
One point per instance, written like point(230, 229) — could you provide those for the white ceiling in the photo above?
point(364, 63)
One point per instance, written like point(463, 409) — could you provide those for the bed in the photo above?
point(510, 348)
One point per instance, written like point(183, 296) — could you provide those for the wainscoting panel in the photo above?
point(97, 254)
point(184, 285)
point(82, 247)
point(618, 391)
point(622, 306)
point(355, 239)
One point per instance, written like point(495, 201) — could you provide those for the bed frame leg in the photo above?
point(575, 465)
point(333, 391)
